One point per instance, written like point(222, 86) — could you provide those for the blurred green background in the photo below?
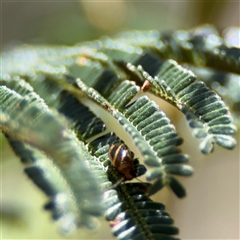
point(211, 209)
point(68, 22)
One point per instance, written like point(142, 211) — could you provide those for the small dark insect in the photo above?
point(122, 159)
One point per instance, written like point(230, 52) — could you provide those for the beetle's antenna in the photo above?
point(139, 179)
point(117, 183)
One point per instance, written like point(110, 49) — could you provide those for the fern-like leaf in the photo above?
point(157, 139)
point(59, 146)
point(131, 200)
point(206, 112)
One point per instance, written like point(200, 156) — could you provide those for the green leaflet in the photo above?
point(123, 94)
point(55, 140)
point(140, 217)
point(226, 84)
point(207, 107)
point(47, 176)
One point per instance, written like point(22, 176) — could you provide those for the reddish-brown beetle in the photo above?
point(122, 159)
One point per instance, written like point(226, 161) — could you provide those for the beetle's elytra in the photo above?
point(122, 159)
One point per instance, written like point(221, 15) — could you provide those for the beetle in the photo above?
point(122, 159)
